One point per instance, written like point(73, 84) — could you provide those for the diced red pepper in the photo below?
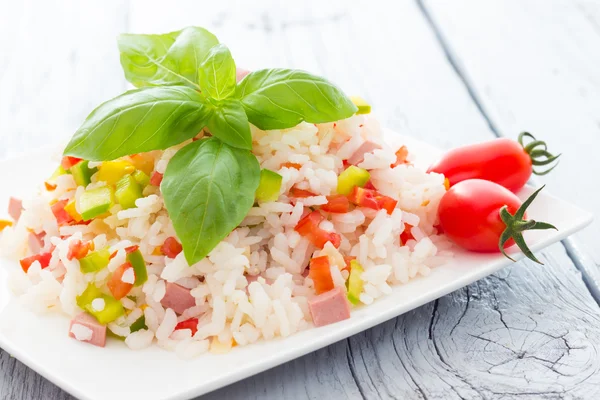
point(78, 249)
point(369, 185)
point(372, 199)
point(336, 204)
point(131, 249)
point(191, 324)
point(156, 178)
point(171, 247)
point(67, 162)
point(401, 157)
point(43, 258)
point(300, 193)
point(309, 228)
point(406, 235)
point(117, 287)
point(291, 165)
point(321, 274)
point(61, 215)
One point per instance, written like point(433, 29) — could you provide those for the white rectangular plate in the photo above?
point(115, 372)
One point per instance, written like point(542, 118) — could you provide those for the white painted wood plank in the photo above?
point(534, 64)
point(390, 56)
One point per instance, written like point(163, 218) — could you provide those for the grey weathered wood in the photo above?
point(529, 331)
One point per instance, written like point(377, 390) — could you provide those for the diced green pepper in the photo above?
point(95, 202)
point(58, 172)
point(139, 324)
point(269, 186)
point(361, 104)
point(128, 191)
point(351, 177)
point(136, 259)
point(355, 283)
point(95, 261)
point(112, 310)
point(82, 174)
point(141, 178)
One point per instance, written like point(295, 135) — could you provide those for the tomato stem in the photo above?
point(538, 152)
point(516, 225)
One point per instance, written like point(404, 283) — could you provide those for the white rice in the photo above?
point(252, 286)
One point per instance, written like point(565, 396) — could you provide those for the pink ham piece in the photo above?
point(329, 307)
point(359, 154)
point(177, 298)
point(85, 320)
point(36, 242)
point(240, 73)
point(15, 207)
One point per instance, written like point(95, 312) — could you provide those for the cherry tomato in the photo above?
point(337, 203)
point(67, 162)
point(370, 198)
point(171, 247)
point(78, 249)
point(483, 216)
point(191, 324)
point(120, 284)
point(43, 258)
point(507, 162)
point(308, 227)
point(300, 193)
point(156, 178)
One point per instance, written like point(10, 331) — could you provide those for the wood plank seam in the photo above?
point(589, 271)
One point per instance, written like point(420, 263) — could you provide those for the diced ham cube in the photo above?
point(177, 298)
point(15, 207)
point(240, 73)
point(329, 307)
point(77, 330)
point(36, 242)
point(359, 154)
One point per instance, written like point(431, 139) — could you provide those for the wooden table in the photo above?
point(448, 73)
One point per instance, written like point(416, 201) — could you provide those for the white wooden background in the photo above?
point(449, 73)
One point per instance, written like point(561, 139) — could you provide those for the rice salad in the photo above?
point(336, 217)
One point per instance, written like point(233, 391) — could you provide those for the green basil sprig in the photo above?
point(208, 189)
point(282, 98)
point(169, 59)
point(151, 118)
point(187, 82)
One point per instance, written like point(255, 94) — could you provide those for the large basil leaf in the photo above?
point(169, 59)
point(227, 120)
point(140, 120)
point(208, 189)
point(282, 98)
point(217, 73)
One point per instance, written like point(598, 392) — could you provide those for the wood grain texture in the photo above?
point(527, 332)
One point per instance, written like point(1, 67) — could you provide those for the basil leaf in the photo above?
point(282, 98)
point(169, 59)
point(227, 120)
point(139, 120)
point(208, 189)
point(217, 73)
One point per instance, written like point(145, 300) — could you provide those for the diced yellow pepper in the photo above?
point(361, 104)
point(72, 211)
point(112, 171)
point(143, 162)
point(4, 223)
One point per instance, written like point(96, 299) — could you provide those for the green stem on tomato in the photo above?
point(516, 225)
point(538, 151)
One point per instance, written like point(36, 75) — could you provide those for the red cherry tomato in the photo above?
point(321, 274)
point(117, 287)
point(308, 227)
point(504, 161)
point(338, 203)
point(483, 216)
point(372, 199)
point(171, 247)
point(191, 324)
